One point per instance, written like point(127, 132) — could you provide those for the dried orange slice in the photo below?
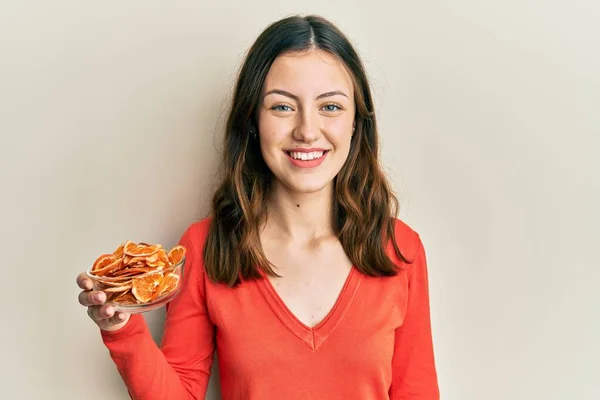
point(139, 250)
point(127, 260)
point(114, 289)
point(162, 256)
point(125, 298)
point(167, 285)
point(118, 253)
point(176, 255)
point(159, 265)
point(144, 287)
point(108, 282)
point(158, 260)
point(109, 269)
point(103, 261)
point(133, 271)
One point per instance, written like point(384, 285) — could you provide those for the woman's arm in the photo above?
point(414, 375)
point(181, 368)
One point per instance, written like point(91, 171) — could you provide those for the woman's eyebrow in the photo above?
point(294, 97)
point(332, 93)
point(281, 92)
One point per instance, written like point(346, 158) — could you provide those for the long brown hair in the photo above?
point(364, 206)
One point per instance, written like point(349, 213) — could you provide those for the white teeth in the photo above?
point(307, 156)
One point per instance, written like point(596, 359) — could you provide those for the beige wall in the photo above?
point(489, 122)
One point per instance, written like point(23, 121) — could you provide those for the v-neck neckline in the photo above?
point(315, 336)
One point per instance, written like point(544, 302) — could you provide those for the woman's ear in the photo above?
point(252, 129)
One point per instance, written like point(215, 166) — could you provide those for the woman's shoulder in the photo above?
point(407, 239)
point(197, 231)
point(194, 240)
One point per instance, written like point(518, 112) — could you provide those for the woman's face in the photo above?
point(305, 119)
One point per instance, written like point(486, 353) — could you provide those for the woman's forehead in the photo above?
point(308, 72)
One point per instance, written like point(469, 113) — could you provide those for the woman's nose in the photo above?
point(308, 129)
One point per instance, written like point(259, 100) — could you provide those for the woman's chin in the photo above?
point(307, 186)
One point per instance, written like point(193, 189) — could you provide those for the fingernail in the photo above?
point(99, 297)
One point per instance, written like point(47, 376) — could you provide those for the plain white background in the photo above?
point(110, 121)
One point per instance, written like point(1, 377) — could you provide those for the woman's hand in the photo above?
point(103, 315)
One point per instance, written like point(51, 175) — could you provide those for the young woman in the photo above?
point(302, 279)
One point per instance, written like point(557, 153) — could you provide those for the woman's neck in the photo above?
point(299, 216)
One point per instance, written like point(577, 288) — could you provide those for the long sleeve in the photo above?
point(414, 375)
point(180, 368)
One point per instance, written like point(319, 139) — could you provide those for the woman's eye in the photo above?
point(281, 107)
point(331, 107)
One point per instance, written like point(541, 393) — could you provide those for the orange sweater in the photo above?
point(374, 344)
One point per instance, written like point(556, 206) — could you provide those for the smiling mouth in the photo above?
point(302, 156)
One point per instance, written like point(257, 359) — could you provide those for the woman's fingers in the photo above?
point(99, 313)
point(104, 315)
point(107, 318)
point(91, 298)
point(117, 318)
point(84, 282)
